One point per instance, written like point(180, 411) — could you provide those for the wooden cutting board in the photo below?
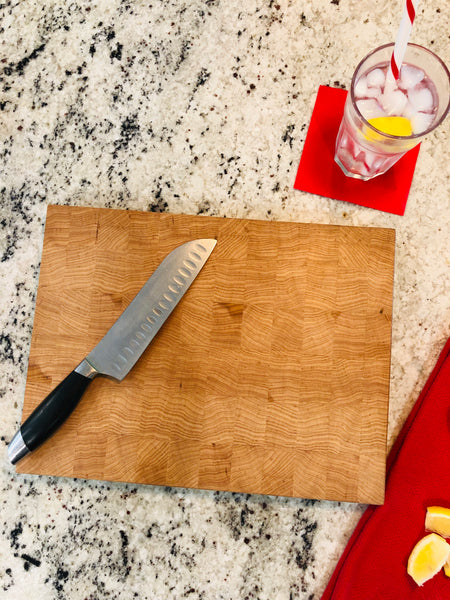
point(271, 376)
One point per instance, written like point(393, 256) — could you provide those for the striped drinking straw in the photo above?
point(404, 31)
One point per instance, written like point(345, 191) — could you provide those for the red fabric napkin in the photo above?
point(319, 174)
point(373, 565)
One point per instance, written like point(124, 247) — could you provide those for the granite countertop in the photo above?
point(196, 107)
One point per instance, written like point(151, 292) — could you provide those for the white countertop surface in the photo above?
point(198, 107)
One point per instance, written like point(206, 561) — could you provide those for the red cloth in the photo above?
point(373, 565)
point(319, 174)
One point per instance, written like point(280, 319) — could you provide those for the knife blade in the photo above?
point(122, 346)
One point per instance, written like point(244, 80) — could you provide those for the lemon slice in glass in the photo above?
point(428, 557)
point(438, 520)
point(400, 126)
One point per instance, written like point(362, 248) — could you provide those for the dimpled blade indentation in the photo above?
point(185, 275)
point(122, 346)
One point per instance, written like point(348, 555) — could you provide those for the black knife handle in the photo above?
point(54, 410)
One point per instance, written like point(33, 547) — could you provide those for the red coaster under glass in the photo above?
point(319, 174)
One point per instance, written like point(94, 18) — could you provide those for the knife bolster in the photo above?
point(86, 369)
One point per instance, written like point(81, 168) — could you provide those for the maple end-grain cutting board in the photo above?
point(271, 376)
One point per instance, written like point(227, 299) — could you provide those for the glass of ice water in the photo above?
point(384, 118)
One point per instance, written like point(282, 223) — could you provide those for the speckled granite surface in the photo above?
point(196, 107)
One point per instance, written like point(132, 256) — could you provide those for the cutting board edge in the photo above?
point(218, 219)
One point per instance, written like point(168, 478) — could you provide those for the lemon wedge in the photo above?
point(438, 520)
point(428, 557)
point(447, 567)
point(400, 126)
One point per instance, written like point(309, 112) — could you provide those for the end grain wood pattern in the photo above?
point(270, 377)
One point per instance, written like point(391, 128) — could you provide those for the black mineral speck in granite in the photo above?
point(129, 130)
point(202, 78)
point(124, 551)
point(6, 348)
point(62, 575)
point(18, 68)
point(287, 136)
point(16, 532)
point(303, 552)
point(30, 561)
point(17, 221)
point(117, 52)
point(8, 581)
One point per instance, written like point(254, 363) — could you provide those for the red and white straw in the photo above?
point(404, 31)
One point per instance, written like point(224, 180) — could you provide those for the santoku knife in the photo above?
point(121, 347)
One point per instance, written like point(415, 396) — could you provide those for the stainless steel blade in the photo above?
point(119, 350)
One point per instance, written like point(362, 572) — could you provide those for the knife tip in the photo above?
point(207, 244)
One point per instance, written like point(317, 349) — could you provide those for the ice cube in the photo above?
point(421, 122)
point(410, 76)
point(369, 159)
point(409, 111)
point(344, 141)
point(360, 168)
point(345, 157)
point(370, 109)
point(421, 98)
point(361, 87)
point(393, 102)
point(376, 78)
point(373, 92)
